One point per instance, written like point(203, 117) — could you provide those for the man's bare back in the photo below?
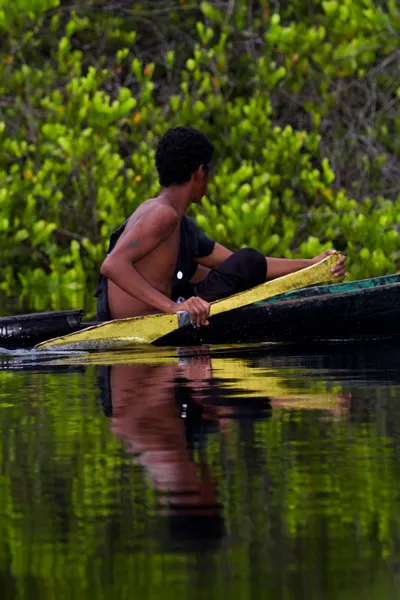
point(141, 266)
point(157, 267)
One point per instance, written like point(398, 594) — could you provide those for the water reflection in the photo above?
point(156, 411)
point(163, 413)
point(202, 472)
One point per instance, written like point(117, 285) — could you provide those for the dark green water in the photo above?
point(223, 473)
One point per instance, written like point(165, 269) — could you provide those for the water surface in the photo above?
point(258, 472)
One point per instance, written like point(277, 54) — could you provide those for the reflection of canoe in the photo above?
point(236, 378)
point(360, 309)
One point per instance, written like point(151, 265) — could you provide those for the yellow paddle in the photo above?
point(126, 333)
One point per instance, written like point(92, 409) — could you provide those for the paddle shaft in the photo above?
point(312, 275)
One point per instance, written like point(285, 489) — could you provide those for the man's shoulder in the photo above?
point(165, 213)
point(155, 212)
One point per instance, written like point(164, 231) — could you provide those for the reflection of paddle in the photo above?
point(124, 333)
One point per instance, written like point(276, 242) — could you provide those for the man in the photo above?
point(160, 254)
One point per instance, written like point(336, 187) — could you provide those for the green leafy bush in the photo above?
point(302, 107)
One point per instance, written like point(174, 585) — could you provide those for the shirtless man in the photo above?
point(159, 250)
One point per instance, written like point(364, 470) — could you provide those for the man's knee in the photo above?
point(254, 265)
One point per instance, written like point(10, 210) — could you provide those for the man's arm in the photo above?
point(217, 256)
point(139, 240)
point(277, 267)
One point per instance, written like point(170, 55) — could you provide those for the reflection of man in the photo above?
point(146, 413)
point(159, 410)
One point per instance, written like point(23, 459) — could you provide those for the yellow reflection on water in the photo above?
point(236, 372)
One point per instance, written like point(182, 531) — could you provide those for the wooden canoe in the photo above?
point(362, 309)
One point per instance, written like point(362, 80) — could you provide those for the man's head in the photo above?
point(184, 155)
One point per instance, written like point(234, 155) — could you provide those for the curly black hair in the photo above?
point(180, 152)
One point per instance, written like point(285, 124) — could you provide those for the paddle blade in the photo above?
point(115, 335)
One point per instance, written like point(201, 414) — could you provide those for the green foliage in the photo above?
point(301, 106)
point(14, 15)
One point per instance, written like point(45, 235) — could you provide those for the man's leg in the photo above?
point(243, 270)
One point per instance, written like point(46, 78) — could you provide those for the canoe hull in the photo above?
point(370, 313)
point(367, 312)
point(24, 331)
